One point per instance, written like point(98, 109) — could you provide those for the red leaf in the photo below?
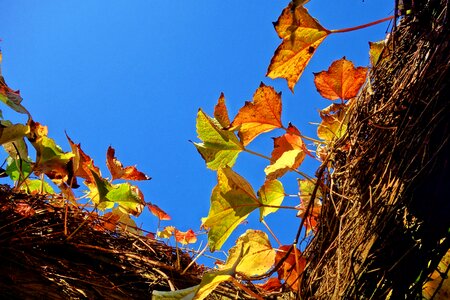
point(289, 270)
point(119, 172)
point(158, 212)
point(187, 237)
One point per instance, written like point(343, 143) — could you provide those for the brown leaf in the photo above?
point(261, 115)
point(24, 209)
point(334, 121)
point(110, 221)
point(301, 35)
point(341, 81)
point(158, 212)
point(273, 284)
point(221, 112)
point(119, 172)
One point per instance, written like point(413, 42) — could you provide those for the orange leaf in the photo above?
point(273, 284)
point(306, 189)
point(158, 212)
point(301, 35)
point(261, 115)
point(187, 237)
point(291, 140)
point(289, 270)
point(221, 112)
point(341, 81)
point(24, 209)
point(110, 221)
point(82, 163)
point(166, 233)
point(119, 172)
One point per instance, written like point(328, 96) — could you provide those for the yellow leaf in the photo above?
point(301, 35)
point(261, 115)
point(439, 281)
point(271, 193)
point(334, 121)
point(184, 294)
point(285, 163)
point(232, 200)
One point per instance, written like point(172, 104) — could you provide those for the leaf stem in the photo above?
point(271, 232)
point(361, 26)
point(257, 154)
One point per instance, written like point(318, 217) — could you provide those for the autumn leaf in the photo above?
point(183, 294)
point(18, 168)
point(158, 212)
point(50, 158)
point(301, 35)
point(82, 164)
point(375, 52)
point(119, 172)
point(290, 271)
point(252, 255)
point(271, 193)
point(219, 147)
point(185, 237)
point(261, 115)
point(126, 223)
point(334, 121)
point(98, 191)
point(438, 283)
point(110, 221)
point(221, 112)
point(232, 200)
point(36, 186)
point(166, 233)
point(273, 284)
point(306, 189)
point(127, 197)
point(288, 153)
point(341, 81)
point(9, 97)
point(10, 132)
point(24, 209)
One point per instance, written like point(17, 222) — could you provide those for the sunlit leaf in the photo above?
point(376, 49)
point(36, 186)
point(221, 112)
point(232, 200)
point(252, 255)
point(184, 294)
point(334, 121)
point(110, 221)
point(438, 285)
point(273, 284)
point(261, 115)
point(166, 233)
point(288, 153)
point(126, 197)
point(185, 237)
point(219, 147)
point(50, 158)
point(18, 169)
point(301, 35)
point(98, 191)
point(17, 149)
point(11, 132)
point(158, 212)
point(290, 271)
point(82, 164)
point(306, 189)
point(119, 172)
point(9, 97)
point(126, 223)
point(341, 81)
point(271, 193)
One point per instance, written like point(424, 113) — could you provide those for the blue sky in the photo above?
point(132, 74)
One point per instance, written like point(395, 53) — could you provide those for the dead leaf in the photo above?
point(289, 271)
point(158, 212)
point(221, 112)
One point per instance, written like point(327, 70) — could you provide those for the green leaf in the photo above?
point(232, 200)
point(98, 191)
point(126, 197)
point(18, 169)
point(271, 193)
point(11, 132)
point(36, 186)
point(220, 147)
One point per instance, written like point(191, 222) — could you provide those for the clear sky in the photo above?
point(132, 74)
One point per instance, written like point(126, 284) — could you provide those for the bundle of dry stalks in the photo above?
point(385, 217)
